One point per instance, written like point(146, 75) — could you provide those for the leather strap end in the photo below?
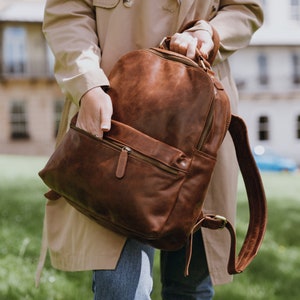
point(52, 195)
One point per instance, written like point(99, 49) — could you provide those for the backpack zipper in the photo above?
point(207, 128)
point(189, 62)
point(126, 152)
point(175, 57)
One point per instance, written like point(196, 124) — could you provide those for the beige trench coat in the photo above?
point(75, 30)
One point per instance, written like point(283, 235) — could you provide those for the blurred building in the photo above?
point(268, 78)
point(30, 100)
point(267, 74)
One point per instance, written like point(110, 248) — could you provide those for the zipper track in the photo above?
point(189, 62)
point(185, 60)
point(140, 156)
point(207, 127)
point(119, 146)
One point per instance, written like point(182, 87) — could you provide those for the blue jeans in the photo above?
point(196, 286)
point(131, 280)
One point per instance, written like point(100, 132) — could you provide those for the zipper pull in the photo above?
point(122, 162)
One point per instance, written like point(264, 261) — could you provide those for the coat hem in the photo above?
point(74, 263)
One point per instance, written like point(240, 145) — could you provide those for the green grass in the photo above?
point(273, 275)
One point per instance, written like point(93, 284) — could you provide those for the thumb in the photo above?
point(106, 113)
point(205, 48)
point(191, 50)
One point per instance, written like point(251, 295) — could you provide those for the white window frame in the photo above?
point(14, 50)
point(295, 10)
point(263, 72)
point(263, 128)
point(296, 68)
point(18, 120)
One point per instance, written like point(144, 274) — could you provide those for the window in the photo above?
point(298, 127)
point(18, 121)
point(296, 68)
point(14, 50)
point(295, 10)
point(263, 69)
point(58, 107)
point(263, 128)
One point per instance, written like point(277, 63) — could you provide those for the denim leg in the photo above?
point(196, 286)
point(131, 280)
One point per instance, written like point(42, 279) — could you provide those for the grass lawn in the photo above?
point(273, 275)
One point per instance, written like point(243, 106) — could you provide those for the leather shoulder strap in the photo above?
point(256, 197)
point(257, 206)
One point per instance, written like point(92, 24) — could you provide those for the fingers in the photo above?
point(207, 44)
point(95, 112)
point(191, 48)
point(186, 43)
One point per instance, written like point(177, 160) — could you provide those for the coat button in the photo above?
point(127, 3)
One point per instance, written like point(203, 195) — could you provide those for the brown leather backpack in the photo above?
point(148, 177)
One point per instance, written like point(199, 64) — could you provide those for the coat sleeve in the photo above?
point(70, 30)
point(236, 21)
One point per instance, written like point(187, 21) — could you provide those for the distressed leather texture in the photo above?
point(148, 177)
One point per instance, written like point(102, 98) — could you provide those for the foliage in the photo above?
point(273, 275)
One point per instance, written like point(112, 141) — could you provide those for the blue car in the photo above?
point(267, 160)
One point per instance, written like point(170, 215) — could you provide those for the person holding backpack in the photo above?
point(87, 37)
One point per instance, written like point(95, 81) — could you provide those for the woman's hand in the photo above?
point(95, 112)
point(186, 43)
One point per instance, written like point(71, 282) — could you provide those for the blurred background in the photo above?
point(267, 74)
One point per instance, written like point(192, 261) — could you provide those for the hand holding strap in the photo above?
point(215, 37)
